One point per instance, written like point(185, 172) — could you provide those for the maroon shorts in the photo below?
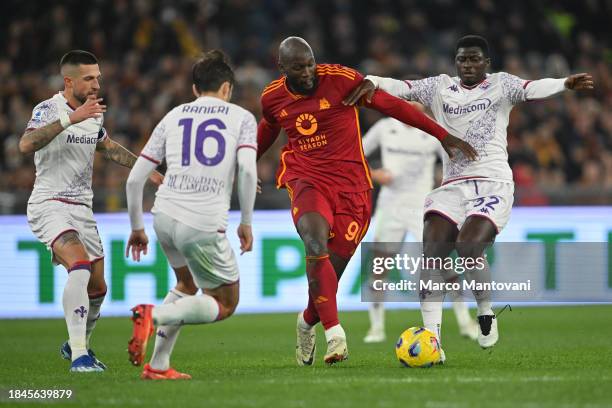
point(348, 214)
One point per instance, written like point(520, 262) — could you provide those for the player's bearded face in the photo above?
point(86, 83)
point(301, 75)
point(471, 65)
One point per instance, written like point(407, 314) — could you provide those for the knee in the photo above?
point(226, 310)
point(186, 287)
point(96, 287)
point(315, 246)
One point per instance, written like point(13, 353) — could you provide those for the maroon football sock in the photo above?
point(322, 286)
point(310, 313)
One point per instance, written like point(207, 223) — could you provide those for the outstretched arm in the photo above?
point(371, 83)
point(544, 88)
point(405, 112)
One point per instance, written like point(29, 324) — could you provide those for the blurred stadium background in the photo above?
point(560, 150)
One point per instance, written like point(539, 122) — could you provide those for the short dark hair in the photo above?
point(473, 41)
point(211, 71)
point(78, 57)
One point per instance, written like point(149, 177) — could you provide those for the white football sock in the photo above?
point(302, 323)
point(93, 316)
point(462, 312)
point(188, 310)
point(376, 310)
point(335, 331)
point(166, 336)
point(76, 309)
point(431, 302)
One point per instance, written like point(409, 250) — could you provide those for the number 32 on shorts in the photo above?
point(353, 232)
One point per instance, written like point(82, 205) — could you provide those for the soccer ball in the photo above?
point(417, 347)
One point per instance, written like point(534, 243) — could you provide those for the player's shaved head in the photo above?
point(297, 63)
point(292, 47)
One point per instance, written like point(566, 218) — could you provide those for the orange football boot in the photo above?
point(170, 374)
point(142, 317)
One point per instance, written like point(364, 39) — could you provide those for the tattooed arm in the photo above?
point(115, 152)
point(36, 139)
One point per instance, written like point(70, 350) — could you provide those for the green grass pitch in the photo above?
point(546, 357)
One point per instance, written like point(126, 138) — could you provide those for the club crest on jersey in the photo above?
point(324, 104)
point(306, 124)
point(485, 84)
point(453, 88)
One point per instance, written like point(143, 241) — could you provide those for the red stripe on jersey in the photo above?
point(441, 214)
point(150, 159)
point(246, 145)
point(526, 83)
point(363, 159)
point(63, 200)
point(282, 173)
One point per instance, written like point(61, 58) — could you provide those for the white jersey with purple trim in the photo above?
point(64, 167)
point(199, 141)
point(409, 154)
point(479, 115)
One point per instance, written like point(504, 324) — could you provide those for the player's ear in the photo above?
point(226, 90)
point(195, 91)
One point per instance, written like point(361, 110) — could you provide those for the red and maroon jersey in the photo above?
point(324, 139)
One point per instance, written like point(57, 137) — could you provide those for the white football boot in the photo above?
point(337, 350)
point(488, 334)
point(306, 345)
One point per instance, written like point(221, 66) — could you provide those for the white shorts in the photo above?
point(393, 223)
point(475, 197)
point(208, 255)
point(50, 219)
